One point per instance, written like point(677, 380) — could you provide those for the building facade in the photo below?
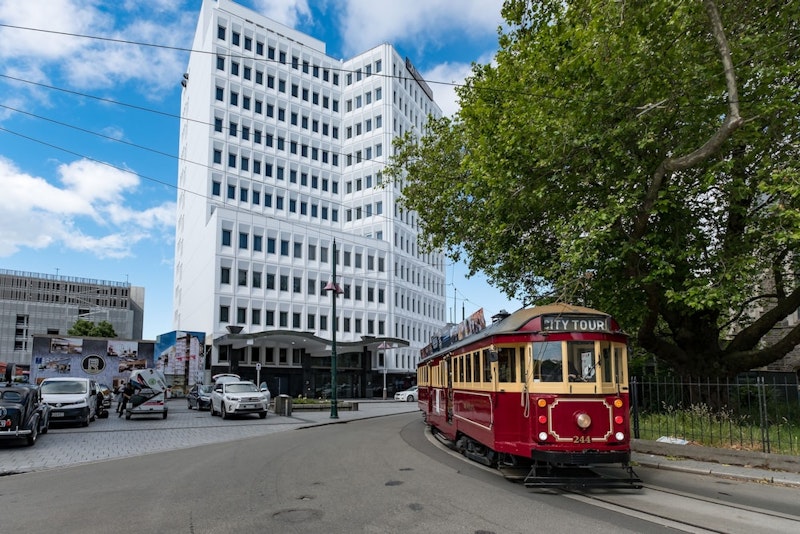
point(281, 155)
point(42, 304)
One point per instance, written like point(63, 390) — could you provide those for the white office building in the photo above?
point(281, 155)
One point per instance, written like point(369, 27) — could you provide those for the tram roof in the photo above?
point(517, 320)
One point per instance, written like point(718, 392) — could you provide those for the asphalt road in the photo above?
point(376, 473)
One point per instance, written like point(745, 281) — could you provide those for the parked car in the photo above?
point(22, 414)
point(409, 395)
point(235, 398)
point(200, 396)
point(73, 400)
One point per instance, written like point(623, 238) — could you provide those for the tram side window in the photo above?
point(619, 366)
point(605, 362)
point(487, 366)
point(476, 367)
point(468, 367)
point(459, 363)
point(507, 365)
point(547, 362)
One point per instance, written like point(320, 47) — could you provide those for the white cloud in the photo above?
point(287, 12)
point(37, 214)
point(419, 23)
point(94, 63)
point(444, 78)
point(65, 16)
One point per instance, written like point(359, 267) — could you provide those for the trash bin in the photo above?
point(283, 405)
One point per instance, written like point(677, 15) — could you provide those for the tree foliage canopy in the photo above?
point(639, 157)
point(82, 327)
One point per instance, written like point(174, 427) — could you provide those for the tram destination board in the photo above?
point(576, 323)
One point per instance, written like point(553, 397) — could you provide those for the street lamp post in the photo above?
point(335, 290)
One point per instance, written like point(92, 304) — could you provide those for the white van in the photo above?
point(73, 400)
point(150, 395)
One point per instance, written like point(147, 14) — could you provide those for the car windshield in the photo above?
point(240, 388)
point(63, 386)
point(205, 389)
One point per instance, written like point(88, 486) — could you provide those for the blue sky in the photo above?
point(89, 127)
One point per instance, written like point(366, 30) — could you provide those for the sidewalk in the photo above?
point(726, 463)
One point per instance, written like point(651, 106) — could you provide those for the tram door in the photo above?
point(449, 389)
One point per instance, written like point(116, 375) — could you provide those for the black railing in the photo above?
point(758, 411)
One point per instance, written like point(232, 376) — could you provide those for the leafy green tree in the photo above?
point(638, 157)
point(86, 328)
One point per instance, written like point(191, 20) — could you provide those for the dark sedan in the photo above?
point(200, 397)
point(22, 415)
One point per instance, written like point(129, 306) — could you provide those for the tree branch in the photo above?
point(731, 123)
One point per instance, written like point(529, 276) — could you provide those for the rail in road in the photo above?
point(116, 437)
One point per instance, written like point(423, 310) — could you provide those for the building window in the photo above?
point(243, 240)
point(241, 315)
point(224, 314)
point(226, 238)
point(225, 275)
point(243, 277)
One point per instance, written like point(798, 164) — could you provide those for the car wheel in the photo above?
point(223, 410)
point(31, 438)
point(410, 398)
point(190, 404)
point(263, 415)
point(85, 422)
point(165, 415)
point(211, 410)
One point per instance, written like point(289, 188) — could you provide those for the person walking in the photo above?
point(127, 393)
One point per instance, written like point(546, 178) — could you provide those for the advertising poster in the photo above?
point(180, 355)
point(107, 362)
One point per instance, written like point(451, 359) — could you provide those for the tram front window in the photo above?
point(581, 358)
point(547, 362)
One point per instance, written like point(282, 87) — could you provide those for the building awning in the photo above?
point(312, 344)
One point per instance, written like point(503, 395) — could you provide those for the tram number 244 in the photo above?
point(581, 439)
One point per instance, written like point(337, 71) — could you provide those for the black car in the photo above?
point(22, 414)
point(200, 397)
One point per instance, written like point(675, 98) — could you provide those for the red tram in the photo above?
point(544, 388)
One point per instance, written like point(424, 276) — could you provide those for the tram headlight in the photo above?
point(620, 436)
point(542, 436)
point(583, 420)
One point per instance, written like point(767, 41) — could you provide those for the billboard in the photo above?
point(107, 361)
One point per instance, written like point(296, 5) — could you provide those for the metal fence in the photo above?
point(759, 412)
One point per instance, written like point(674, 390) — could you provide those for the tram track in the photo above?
point(679, 510)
